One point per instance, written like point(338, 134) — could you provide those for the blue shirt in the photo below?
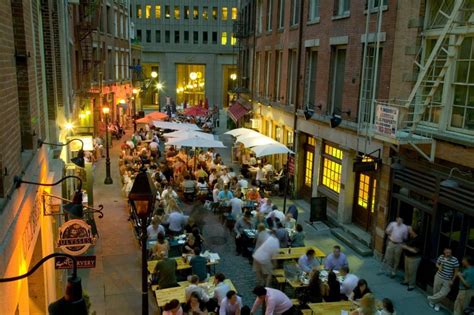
point(307, 264)
point(468, 276)
point(223, 196)
point(333, 263)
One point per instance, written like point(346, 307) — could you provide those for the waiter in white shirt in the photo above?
point(397, 233)
point(276, 302)
point(262, 259)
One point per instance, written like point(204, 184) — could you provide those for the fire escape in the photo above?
point(89, 59)
point(431, 63)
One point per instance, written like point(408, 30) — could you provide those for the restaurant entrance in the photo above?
point(307, 179)
point(364, 203)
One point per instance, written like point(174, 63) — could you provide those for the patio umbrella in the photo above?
point(186, 133)
point(195, 111)
point(174, 126)
point(256, 141)
point(241, 131)
point(157, 116)
point(196, 142)
point(270, 149)
point(144, 120)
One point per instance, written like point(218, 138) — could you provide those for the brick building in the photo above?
point(308, 65)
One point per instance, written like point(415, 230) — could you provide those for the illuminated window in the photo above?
point(308, 171)
point(234, 13)
point(224, 14)
point(158, 11)
point(139, 11)
point(186, 12)
point(167, 12)
point(147, 11)
point(214, 13)
point(233, 40)
point(205, 14)
point(363, 194)
point(176, 12)
point(224, 38)
point(289, 138)
point(195, 13)
point(332, 168)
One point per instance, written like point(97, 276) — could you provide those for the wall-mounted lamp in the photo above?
point(450, 182)
point(78, 160)
point(336, 119)
point(308, 113)
point(397, 165)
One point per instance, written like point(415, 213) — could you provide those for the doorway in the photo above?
point(364, 203)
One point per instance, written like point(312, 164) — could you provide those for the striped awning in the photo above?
point(236, 111)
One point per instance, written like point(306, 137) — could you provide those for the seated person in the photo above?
point(282, 235)
point(195, 306)
point(161, 248)
point(190, 246)
point(290, 223)
point(231, 304)
point(225, 194)
point(194, 287)
point(154, 228)
point(336, 260)
point(199, 265)
point(244, 184)
point(253, 195)
point(202, 188)
point(190, 225)
point(221, 288)
point(267, 207)
point(308, 262)
point(360, 290)
point(333, 288)
point(200, 173)
point(297, 239)
point(172, 308)
point(165, 271)
point(188, 184)
point(314, 291)
point(367, 306)
point(349, 283)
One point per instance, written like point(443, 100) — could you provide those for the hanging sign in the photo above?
point(75, 237)
point(291, 165)
point(386, 120)
point(83, 262)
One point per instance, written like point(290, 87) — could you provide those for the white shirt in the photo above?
point(276, 302)
point(236, 205)
point(265, 208)
point(153, 146)
point(176, 221)
point(243, 183)
point(220, 291)
point(195, 288)
point(225, 178)
point(227, 308)
point(153, 233)
point(397, 233)
point(165, 192)
point(267, 250)
point(349, 284)
point(259, 175)
point(278, 214)
point(306, 264)
point(215, 194)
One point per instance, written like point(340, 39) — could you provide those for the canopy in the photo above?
point(236, 111)
point(270, 149)
point(144, 120)
point(195, 111)
point(241, 131)
point(174, 125)
point(256, 141)
point(187, 133)
point(196, 142)
point(157, 115)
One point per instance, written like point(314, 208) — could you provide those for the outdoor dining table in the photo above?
point(165, 295)
point(296, 252)
point(183, 264)
point(332, 308)
point(297, 283)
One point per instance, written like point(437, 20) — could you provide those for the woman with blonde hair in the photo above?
point(366, 305)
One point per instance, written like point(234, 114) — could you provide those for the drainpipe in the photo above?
point(297, 96)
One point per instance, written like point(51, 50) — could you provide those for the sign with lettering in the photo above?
point(291, 165)
point(83, 262)
point(75, 237)
point(386, 120)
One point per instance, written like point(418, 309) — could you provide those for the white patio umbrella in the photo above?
point(186, 133)
point(196, 142)
point(270, 149)
point(174, 125)
point(241, 131)
point(256, 141)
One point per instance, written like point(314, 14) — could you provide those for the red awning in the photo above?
point(237, 111)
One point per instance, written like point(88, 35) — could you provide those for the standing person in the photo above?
point(336, 260)
point(244, 223)
point(236, 204)
point(262, 235)
point(308, 262)
point(466, 286)
point(448, 267)
point(397, 233)
point(231, 304)
point(262, 259)
point(412, 250)
point(274, 301)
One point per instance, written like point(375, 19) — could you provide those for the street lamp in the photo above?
point(142, 198)
point(72, 302)
point(159, 86)
point(108, 179)
point(154, 74)
point(78, 160)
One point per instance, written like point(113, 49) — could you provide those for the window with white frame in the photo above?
point(281, 14)
point(338, 57)
point(295, 12)
point(269, 14)
point(292, 77)
point(374, 4)
point(370, 85)
point(259, 16)
point(279, 58)
point(313, 13)
point(341, 7)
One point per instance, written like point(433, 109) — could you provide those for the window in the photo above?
point(281, 14)
point(364, 192)
point(309, 158)
point(214, 38)
point(313, 13)
point(195, 13)
point(267, 74)
point(233, 39)
point(167, 12)
point(259, 15)
point(374, 4)
point(139, 35)
point(224, 38)
point(257, 73)
point(462, 115)
point(186, 37)
point(224, 14)
point(279, 58)
point(451, 229)
point(176, 37)
point(234, 13)
point(341, 7)
point(147, 11)
point(289, 139)
point(205, 13)
point(311, 74)
point(167, 37)
point(369, 88)
point(205, 37)
point(176, 12)
point(332, 168)
point(186, 12)
point(195, 37)
point(110, 21)
point(269, 14)
point(138, 11)
point(214, 13)
point(295, 12)
point(158, 36)
point(116, 66)
point(291, 80)
point(115, 24)
point(148, 36)
point(158, 11)
point(338, 57)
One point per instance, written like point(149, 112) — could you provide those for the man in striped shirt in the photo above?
point(448, 267)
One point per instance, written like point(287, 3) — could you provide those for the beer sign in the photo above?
point(75, 237)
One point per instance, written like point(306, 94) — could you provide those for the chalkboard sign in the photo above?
point(318, 209)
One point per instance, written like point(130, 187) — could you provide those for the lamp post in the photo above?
point(108, 179)
point(78, 160)
point(72, 302)
point(142, 198)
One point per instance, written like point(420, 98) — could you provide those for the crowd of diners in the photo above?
point(201, 175)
